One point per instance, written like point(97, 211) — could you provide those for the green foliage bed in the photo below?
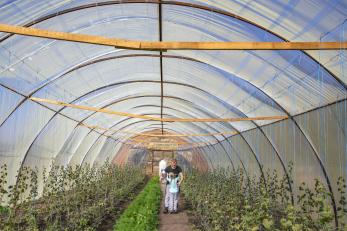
point(143, 212)
point(74, 198)
point(228, 200)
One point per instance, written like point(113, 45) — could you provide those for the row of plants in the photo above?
point(73, 198)
point(226, 199)
point(143, 212)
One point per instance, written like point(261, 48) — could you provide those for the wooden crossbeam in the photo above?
point(147, 144)
point(107, 111)
point(155, 45)
point(159, 135)
point(186, 135)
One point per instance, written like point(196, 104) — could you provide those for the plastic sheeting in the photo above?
point(308, 86)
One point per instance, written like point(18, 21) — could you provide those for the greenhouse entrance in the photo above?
point(250, 98)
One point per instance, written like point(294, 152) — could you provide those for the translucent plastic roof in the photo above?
point(196, 84)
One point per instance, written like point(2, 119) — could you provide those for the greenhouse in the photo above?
point(173, 115)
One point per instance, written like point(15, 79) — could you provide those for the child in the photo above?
point(173, 192)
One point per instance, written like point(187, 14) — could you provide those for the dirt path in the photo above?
point(173, 222)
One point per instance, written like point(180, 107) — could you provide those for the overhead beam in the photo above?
point(107, 111)
point(158, 135)
point(163, 46)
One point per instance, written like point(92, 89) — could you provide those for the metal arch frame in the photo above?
point(290, 117)
point(127, 119)
point(104, 59)
point(198, 61)
point(118, 140)
point(100, 135)
point(278, 105)
point(186, 85)
point(200, 110)
point(274, 148)
point(160, 27)
point(182, 112)
point(84, 65)
point(217, 12)
point(112, 103)
point(206, 145)
point(175, 3)
point(147, 120)
point(190, 59)
point(236, 17)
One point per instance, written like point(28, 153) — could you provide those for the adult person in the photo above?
point(177, 172)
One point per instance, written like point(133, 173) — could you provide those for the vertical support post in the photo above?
point(152, 162)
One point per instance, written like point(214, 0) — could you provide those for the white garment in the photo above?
point(162, 166)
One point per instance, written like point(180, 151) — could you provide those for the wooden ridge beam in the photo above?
point(107, 111)
point(162, 46)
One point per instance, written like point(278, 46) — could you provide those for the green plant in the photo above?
point(142, 213)
point(225, 200)
point(73, 197)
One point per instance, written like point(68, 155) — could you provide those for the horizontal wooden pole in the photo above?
point(148, 146)
point(148, 45)
point(107, 111)
point(159, 135)
point(186, 135)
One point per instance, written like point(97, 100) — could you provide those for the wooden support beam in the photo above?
point(107, 111)
point(159, 135)
point(146, 141)
point(163, 46)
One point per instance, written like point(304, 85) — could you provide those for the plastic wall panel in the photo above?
point(233, 90)
point(18, 132)
point(328, 136)
point(37, 60)
point(294, 20)
point(28, 10)
point(189, 110)
point(225, 161)
point(8, 102)
point(191, 94)
point(110, 146)
point(264, 150)
point(138, 157)
point(104, 120)
point(94, 150)
point(233, 154)
point(293, 71)
point(293, 146)
point(290, 18)
point(116, 151)
point(205, 153)
point(47, 144)
point(217, 156)
point(83, 148)
point(71, 145)
point(246, 155)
